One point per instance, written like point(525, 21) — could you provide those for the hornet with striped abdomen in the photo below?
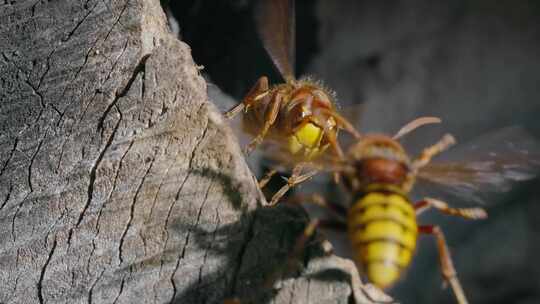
point(379, 175)
point(381, 219)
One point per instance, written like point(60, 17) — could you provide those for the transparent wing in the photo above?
point(490, 165)
point(275, 21)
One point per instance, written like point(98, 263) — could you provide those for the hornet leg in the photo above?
point(468, 213)
point(447, 266)
point(429, 152)
point(258, 91)
point(295, 179)
point(269, 119)
point(266, 178)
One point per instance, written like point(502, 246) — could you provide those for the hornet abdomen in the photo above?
point(382, 229)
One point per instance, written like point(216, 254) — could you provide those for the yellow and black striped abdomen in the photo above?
point(382, 229)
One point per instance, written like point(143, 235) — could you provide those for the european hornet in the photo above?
point(381, 218)
point(298, 116)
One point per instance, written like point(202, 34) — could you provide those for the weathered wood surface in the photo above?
point(119, 181)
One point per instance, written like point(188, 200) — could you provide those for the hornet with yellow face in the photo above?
point(299, 116)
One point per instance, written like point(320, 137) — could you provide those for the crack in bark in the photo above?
point(159, 186)
point(8, 196)
point(47, 67)
point(90, 102)
point(143, 239)
point(62, 215)
point(10, 156)
point(43, 270)
point(218, 221)
point(93, 172)
point(132, 212)
point(91, 291)
point(143, 89)
point(14, 291)
point(241, 253)
point(75, 78)
point(32, 163)
point(121, 289)
point(68, 135)
point(165, 230)
point(113, 67)
point(27, 81)
point(117, 20)
point(70, 34)
point(120, 162)
point(17, 257)
point(35, 91)
point(167, 224)
point(97, 227)
point(177, 196)
point(159, 276)
point(77, 73)
point(90, 255)
point(19, 206)
point(140, 67)
point(87, 55)
point(33, 9)
point(182, 255)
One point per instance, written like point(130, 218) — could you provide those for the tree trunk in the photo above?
point(120, 182)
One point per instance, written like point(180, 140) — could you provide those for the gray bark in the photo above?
point(120, 182)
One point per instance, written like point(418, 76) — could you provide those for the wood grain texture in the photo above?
point(119, 181)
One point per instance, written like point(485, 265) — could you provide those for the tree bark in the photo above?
point(120, 182)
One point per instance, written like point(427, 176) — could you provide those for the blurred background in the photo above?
point(474, 63)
